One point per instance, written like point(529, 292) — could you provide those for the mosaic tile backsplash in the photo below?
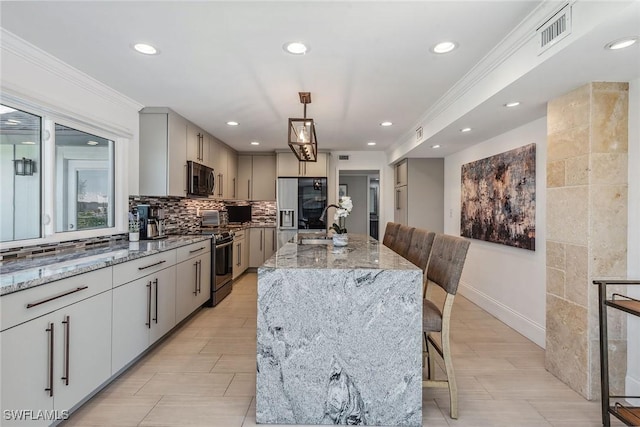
point(181, 216)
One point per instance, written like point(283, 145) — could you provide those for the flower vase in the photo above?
point(340, 239)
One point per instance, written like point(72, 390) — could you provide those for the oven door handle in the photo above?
point(224, 245)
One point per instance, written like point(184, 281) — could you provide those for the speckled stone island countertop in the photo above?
point(339, 336)
point(24, 274)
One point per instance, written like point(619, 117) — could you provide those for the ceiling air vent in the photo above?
point(343, 157)
point(419, 134)
point(554, 29)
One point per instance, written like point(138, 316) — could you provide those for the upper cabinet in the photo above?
point(163, 153)
point(289, 165)
point(232, 171)
point(197, 145)
point(401, 173)
point(256, 177)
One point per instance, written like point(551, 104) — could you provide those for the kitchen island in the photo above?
point(339, 336)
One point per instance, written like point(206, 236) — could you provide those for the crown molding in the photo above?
point(19, 47)
point(502, 52)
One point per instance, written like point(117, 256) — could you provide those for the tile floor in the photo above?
point(204, 375)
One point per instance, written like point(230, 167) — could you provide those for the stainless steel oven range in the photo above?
point(221, 266)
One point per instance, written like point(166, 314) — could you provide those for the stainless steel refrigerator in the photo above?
point(300, 205)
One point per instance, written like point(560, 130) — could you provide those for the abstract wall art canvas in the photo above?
point(499, 198)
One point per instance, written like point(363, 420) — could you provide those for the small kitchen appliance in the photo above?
point(152, 222)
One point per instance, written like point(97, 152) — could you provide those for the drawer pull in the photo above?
point(152, 265)
point(64, 294)
point(197, 250)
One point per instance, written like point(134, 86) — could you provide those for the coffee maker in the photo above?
point(152, 222)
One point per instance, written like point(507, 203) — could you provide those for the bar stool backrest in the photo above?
point(402, 241)
point(420, 247)
point(446, 261)
point(390, 233)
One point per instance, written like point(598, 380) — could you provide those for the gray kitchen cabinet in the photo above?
point(419, 193)
point(193, 274)
point(53, 361)
point(220, 154)
point(240, 252)
point(232, 171)
point(257, 177)
point(198, 145)
point(289, 166)
point(262, 245)
point(163, 153)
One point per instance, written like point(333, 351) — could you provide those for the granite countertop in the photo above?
point(362, 252)
point(29, 273)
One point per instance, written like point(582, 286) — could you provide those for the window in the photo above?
point(84, 166)
point(20, 174)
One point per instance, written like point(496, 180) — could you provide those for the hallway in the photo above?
point(204, 375)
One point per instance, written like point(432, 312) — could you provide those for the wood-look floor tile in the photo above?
point(224, 331)
point(193, 384)
point(509, 413)
point(113, 411)
point(198, 411)
point(179, 363)
point(242, 385)
point(236, 363)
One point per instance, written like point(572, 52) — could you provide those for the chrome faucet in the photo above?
point(324, 214)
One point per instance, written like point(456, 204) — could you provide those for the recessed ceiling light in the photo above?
point(147, 49)
point(444, 47)
point(385, 124)
point(232, 123)
point(92, 143)
point(465, 130)
point(255, 143)
point(295, 48)
point(621, 43)
point(435, 146)
point(371, 143)
point(512, 104)
point(28, 143)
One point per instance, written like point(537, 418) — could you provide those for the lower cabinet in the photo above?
point(143, 311)
point(241, 253)
point(192, 284)
point(263, 244)
point(53, 362)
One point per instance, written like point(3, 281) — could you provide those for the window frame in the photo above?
point(49, 119)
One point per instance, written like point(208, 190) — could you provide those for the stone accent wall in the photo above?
point(587, 133)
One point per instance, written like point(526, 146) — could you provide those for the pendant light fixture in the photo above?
point(302, 134)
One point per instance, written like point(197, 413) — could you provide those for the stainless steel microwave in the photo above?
point(201, 180)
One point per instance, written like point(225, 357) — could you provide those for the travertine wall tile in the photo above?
point(555, 282)
point(577, 171)
point(566, 354)
point(555, 255)
point(609, 168)
point(577, 274)
point(567, 214)
point(617, 367)
point(568, 143)
point(555, 174)
point(608, 224)
point(609, 122)
point(569, 111)
point(610, 86)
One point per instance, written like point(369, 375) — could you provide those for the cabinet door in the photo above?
point(195, 143)
point(220, 156)
point(186, 287)
point(163, 315)
point(246, 253)
point(232, 175)
point(401, 211)
point(288, 165)
point(401, 173)
point(24, 368)
point(264, 183)
point(316, 169)
point(204, 287)
point(245, 165)
point(131, 321)
point(270, 242)
point(177, 156)
point(256, 255)
point(85, 330)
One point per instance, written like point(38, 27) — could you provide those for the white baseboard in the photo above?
point(527, 327)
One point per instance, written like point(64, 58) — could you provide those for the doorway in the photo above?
point(363, 186)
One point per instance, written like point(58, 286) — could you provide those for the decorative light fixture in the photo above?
point(24, 166)
point(302, 134)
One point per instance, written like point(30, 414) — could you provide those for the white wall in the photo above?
point(633, 240)
point(366, 160)
point(358, 189)
point(507, 282)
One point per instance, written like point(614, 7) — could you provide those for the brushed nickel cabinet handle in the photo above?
point(248, 189)
point(261, 238)
point(49, 331)
point(195, 292)
point(197, 250)
point(63, 294)
point(273, 241)
point(148, 324)
point(156, 283)
point(234, 188)
point(66, 322)
point(152, 265)
point(199, 276)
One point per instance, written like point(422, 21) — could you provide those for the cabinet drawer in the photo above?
point(193, 250)
point(239, 235)
point(132, 270)
point(52, 296)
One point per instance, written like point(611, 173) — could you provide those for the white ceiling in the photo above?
point(369, 62)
